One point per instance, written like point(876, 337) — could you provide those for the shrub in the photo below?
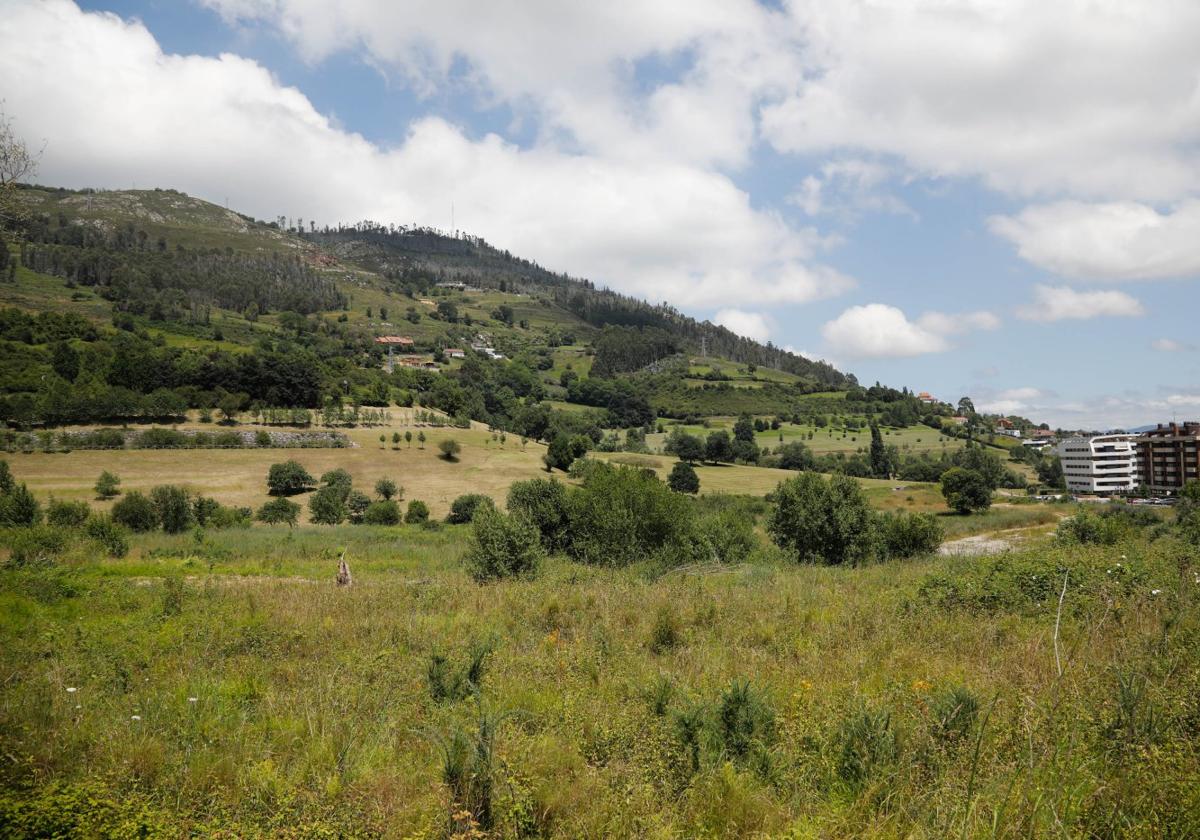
point(173, 508)
point(338, 480)
point(204, 510)
point(385, 489)
point(135, 512)
point(278, 511)
point(7, 483)
point(816, 520)
point(745, 721)
point(19, 507)
point(865, 742)
point(666, 631)
point(966, 490)
point(728, 535)
point(563, 451)
point(909, 534)
point(67, 514)
point(385, 512)
point(683, 478)
point(503, 546)
point(466, 507)
point(953, 712)
point(38, 545)
point(357, 503)
point(623, 515)
point(288, 479)
point(109, 534)
point(417, 513)
point(327, 506)
point(262, 438)
point(450, 449)
point(107, 485)
point(224, 516)
point(544, 503)
point(1088, 527)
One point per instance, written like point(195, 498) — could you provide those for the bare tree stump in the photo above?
point(343, 572)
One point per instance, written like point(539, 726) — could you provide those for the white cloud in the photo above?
point(753, 325)
point(1094, 99)
point(1012, 401)
point(1060, 303)
point(115, 109)
point(848, 188)
point(1170, 345)
point(878, 330)
point(958, 323)
point(1116, 241)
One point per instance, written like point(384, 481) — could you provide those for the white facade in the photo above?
point(1102, 465)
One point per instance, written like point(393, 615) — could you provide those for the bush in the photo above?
point(563, 451)
point(262, 438)
point(386, 512)
point(107, 485)
point(623, 515)
point(865, 742)
point(450, 449)
point(822, 521)
point(279, 511)
point(544, 503)
point(67, 514)
point(966, 490)
point(909, 534)
point(745, 721)
point(19, 507)
point(357, 503)
point(666, 631)
point(338, 480)
point(385, 489)
point(1088, 527)
point(728, 535)
point(327, 506)
point(683, 478)
point(109, 534)
point(503, 546)
point(135, 512)
point(953, 712)
point(38, 545)
point(417, 513)
point(288, 479)
point(466, 507)
point(173, 508)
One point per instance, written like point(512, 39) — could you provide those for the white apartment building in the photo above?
point(1101, 465)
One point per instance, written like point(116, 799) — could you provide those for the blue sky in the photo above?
point(1000, 200)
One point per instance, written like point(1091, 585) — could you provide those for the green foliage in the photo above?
point(7, 483)
point(357, 503)
point(544, 503)
point(503, 546)
point(112, 537)
point(718, 448)
point(19, 507)
point(464, 508)
point(666, 631)
point(417, 513)
point(564, 450)
point(966, 491)
point(135, 512)
point(684, 446)
point(1089, 527)
point(66, 514)
point(728, 535)
point(821, 521)
point(385, 488)
point(172, 508)
point(279, 511)
point(327, 506)
point(449, 449)
point(864, 744)
point(108, 485)
point(745, 721)
point(448, 684)
point(953, 712)
point(339, 481)
point(37, 545)
point(288, 479)
point(683, 478)
point(385, 512)
point(909, 534)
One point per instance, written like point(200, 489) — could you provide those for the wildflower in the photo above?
point(191, 699)
point(72, 690)
point(921, 685)
point(135, 717)
point(1155, 591)
point(77, 706)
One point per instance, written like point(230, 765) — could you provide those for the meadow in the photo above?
point(223, 686)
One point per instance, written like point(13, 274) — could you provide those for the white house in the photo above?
point(1103, 464)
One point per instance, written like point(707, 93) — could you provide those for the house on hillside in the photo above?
point(957, 420)
point(454, 353)
point(926, 398)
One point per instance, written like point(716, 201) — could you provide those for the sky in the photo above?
point(993, 198)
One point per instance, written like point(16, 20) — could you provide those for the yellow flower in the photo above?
point(921, 685)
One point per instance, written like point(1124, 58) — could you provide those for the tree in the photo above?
point(288, 479)
point(417, 513)
point(966, 407)
point(421, 440)
point(966, 490)
point(450, 449)
point(19, 507)
point(718, 447)
point(447, 311)
point(408, 437)
point(17, 164)
point(66, 514)
point(822, 521)
point(7, 483)
point(386, 512)
point(503, 546)
point(173, 508)
point(795, 456)
point(743, 429)
point(385, 488)
point(327, 506)
point(65, 361)
point(279, 511)
point(683, 478)
point(544, 503)
point(1050, 472)
point(396, 440)
point(910, 534)
point(135, 512)
point(466, 507)
point(881, 464)
point(338, 480)
point(563, 451)
point(230, 407)
point(357, 503)
point(684, 446)
point(107, 485)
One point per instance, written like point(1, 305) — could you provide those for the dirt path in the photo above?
point(992, 542)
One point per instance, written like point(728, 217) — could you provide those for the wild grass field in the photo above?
point(225, 687)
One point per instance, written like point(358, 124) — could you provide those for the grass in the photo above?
point(253, 697)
